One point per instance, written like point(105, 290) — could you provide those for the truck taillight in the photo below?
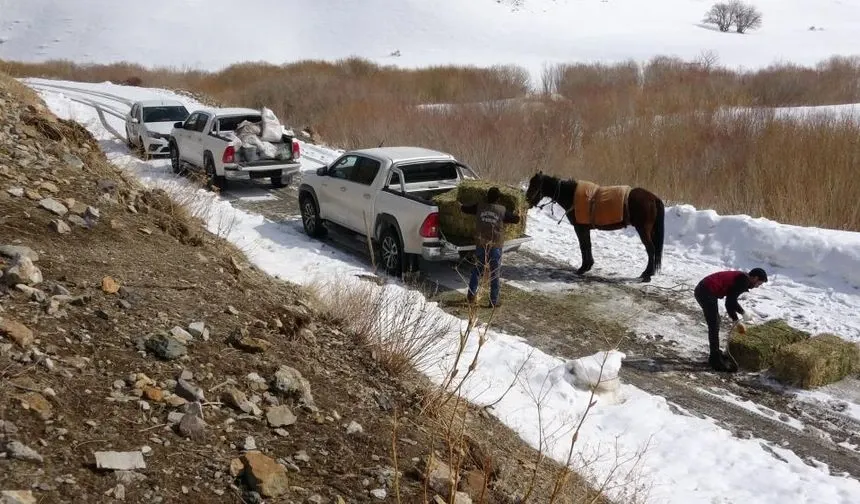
point(229, 155)
point(430, 226)
point(297, 151)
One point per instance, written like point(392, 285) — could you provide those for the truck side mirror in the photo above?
point(322, 171)
point(178, 124)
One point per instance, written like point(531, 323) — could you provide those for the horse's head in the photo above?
point(534, 193)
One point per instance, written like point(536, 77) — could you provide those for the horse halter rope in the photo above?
point(554, 200)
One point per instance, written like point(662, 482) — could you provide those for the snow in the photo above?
point(477, 32)
point(651, 450)
point(813, 279)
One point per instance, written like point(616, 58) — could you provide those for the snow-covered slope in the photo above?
point(213, 33)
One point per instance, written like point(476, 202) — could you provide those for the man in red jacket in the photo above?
point(729, 285)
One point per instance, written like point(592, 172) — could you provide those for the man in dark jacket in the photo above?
point(729, 285)
point(490, 218)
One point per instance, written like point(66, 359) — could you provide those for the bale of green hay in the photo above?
point(817, 361)
point(459, 228)
point(755, 349)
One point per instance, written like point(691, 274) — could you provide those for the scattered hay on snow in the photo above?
point(755, 350)
point(816, 361)
point(459, 228)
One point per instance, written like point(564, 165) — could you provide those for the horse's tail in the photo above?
point(658, 233)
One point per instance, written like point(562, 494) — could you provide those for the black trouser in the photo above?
point(708, 301)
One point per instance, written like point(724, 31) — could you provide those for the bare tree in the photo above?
point(726, 14)
point(746, 17)
point(721, 14)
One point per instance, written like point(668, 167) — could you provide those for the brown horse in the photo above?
point(635, 207)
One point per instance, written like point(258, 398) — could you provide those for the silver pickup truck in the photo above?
point(206, 140)
point(387, 194)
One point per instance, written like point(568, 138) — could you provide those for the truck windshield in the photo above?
point(426, 172)
point(164, 114)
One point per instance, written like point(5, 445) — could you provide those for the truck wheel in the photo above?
point(218, 181)
point(391, 252)
point(311, 217)
point(175, 162)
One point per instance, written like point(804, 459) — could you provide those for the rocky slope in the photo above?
point(143, 360)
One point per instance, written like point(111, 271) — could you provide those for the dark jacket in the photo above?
point(729, 285)
point(490, 219)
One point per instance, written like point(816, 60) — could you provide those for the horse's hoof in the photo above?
point(645, 279)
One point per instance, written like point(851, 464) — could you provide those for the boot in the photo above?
point(721, 362)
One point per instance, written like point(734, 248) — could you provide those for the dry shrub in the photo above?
point(173, 218)
point(661, 125)
point(401, 327)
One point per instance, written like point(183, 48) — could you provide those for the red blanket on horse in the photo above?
point(600, 206)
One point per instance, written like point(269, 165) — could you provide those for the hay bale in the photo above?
point(459, 228)
point(817, 361)
point(754, 350)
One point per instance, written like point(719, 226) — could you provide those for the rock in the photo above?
point(165, 346)
point(20, 334)
point(188, 391)
point(175, 401)
point(252, 345)
point(120, 461)
point(236, 467)
point(290, 381)
point(280, 416)
point(232, 310)
point(264, 475)
point(153, 394)
point(354, 428)
point(174, 417)
point(19, 451)
point(60, 226)
point(129, 477)
point(316, 499)
point(282, 432)
point(22, 271)
point(59, 290)
point(49, 187)
point(78, 221)
point(439, 476)
point(235, 398)
point(109, 285)
point(37, 402)
point(181, 335)
point(18, 192)
point(7, 429)
point(76, 207)
point(92, 213)
point(193, 427)
point(17, 497)
point(250, 444)
point(32, 293)
point(73, 161)
point(462, 498)
point(379, 493)
point(32, 195)
point(12, 251)
point(199, 330)
point(53, 206)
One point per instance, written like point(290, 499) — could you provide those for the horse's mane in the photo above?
point(565, 191)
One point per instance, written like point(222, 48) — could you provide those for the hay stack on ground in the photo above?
point(754, 350)
point(459, 228)
point(817, 361)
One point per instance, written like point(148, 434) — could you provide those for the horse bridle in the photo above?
point(553, 199)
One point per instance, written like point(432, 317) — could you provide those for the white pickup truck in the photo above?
point(207, 140)
point(386, 194)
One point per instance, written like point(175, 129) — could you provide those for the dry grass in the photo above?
point(661, 125)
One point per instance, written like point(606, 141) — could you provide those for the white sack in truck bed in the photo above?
point(255, 140)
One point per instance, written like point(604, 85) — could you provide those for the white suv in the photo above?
point(148, 125)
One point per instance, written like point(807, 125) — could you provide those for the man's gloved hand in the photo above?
point(740, 327)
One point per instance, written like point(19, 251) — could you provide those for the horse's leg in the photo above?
point(583, 234)
point(645, 234)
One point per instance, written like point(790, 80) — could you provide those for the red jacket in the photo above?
point(729, 285)
point(720, 283)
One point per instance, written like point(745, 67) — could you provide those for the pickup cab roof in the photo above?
point(403, 154)
point(159, 103)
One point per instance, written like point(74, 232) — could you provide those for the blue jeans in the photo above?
point(481, 260)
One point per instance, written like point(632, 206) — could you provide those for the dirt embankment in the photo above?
point(125, 327)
